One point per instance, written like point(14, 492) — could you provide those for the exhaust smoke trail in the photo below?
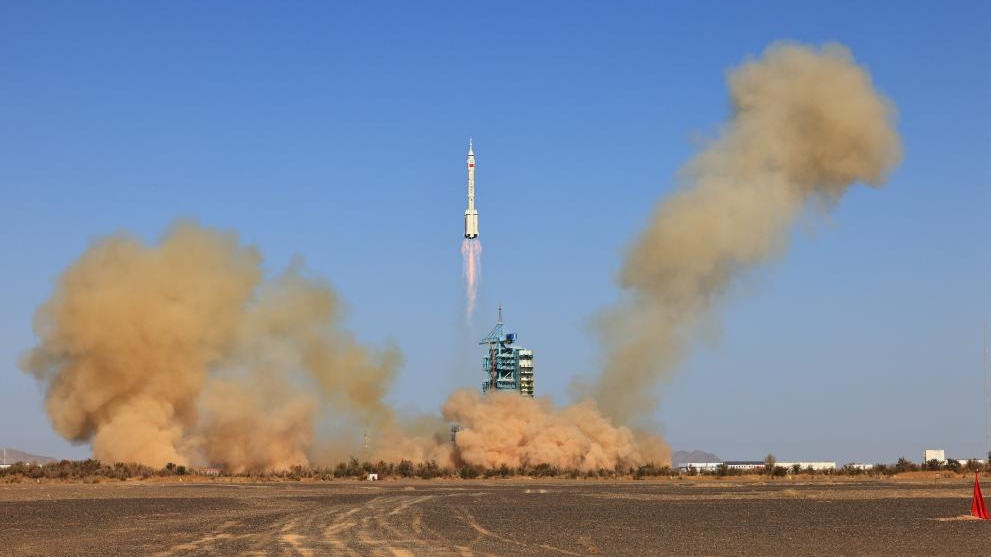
point(806, 124)
point(471, 266)
point(182, 352)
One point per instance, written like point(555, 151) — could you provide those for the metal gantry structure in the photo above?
point(507, 367)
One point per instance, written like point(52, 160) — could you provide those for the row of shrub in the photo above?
point(407, 469)
point(94, 470)
point(90, 469)
point(902, 466)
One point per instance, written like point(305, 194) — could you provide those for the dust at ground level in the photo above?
point(487, 518)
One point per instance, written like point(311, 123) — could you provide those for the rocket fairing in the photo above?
point(471, 215)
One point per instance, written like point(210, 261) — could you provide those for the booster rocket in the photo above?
point(471, 215)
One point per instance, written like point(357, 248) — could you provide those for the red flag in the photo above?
point(978, 508)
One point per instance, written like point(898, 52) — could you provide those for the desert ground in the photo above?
point(510, 517)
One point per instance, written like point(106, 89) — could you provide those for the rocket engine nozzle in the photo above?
point(471, 224)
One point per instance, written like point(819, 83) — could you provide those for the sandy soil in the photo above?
point(397, 519)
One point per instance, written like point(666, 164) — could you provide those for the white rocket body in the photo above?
point(471, 215)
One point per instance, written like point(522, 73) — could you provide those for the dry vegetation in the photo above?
point(94, 471)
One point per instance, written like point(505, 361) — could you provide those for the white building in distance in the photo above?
point(749, 465)
point(860, 466)
point(817, 466)
point(700, 466)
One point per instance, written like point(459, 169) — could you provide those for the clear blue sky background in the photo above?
point(338, 131)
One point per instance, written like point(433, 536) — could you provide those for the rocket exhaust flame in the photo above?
point(471, 247)
point(471, 264)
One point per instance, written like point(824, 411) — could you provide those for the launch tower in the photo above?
point(507, 367)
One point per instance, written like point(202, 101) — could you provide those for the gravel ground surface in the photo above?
point(398, 519)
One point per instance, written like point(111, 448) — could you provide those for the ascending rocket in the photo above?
point(471, 215)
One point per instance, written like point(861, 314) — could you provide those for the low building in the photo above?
point(817, 466)
point(752, 465)
point(744, 464)
point(859, 466)
point(700, 466)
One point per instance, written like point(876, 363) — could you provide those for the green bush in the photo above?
point(469, 472)
point(770, 464)
point(905, 465)
point(502, 471)
point(429, 470)
point(405, 469)
point(543, 470)
point(650, 470)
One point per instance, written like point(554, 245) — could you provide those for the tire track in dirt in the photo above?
point(470, 520)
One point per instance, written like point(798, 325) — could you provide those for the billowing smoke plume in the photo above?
point(507, 429)
point(805, 125)
point(182, 352)
point(504, 428)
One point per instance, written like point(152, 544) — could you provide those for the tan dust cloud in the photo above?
point(254, 425)
point(182, 352)
point(805, 125)
point(418, 439)
point(508, 429)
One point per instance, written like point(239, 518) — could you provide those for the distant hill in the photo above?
point(14, 455)
point(683, 457)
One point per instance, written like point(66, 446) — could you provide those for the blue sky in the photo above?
point(337, 132)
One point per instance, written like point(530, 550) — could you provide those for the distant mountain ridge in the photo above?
point(12, 456)
point(684, 457)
